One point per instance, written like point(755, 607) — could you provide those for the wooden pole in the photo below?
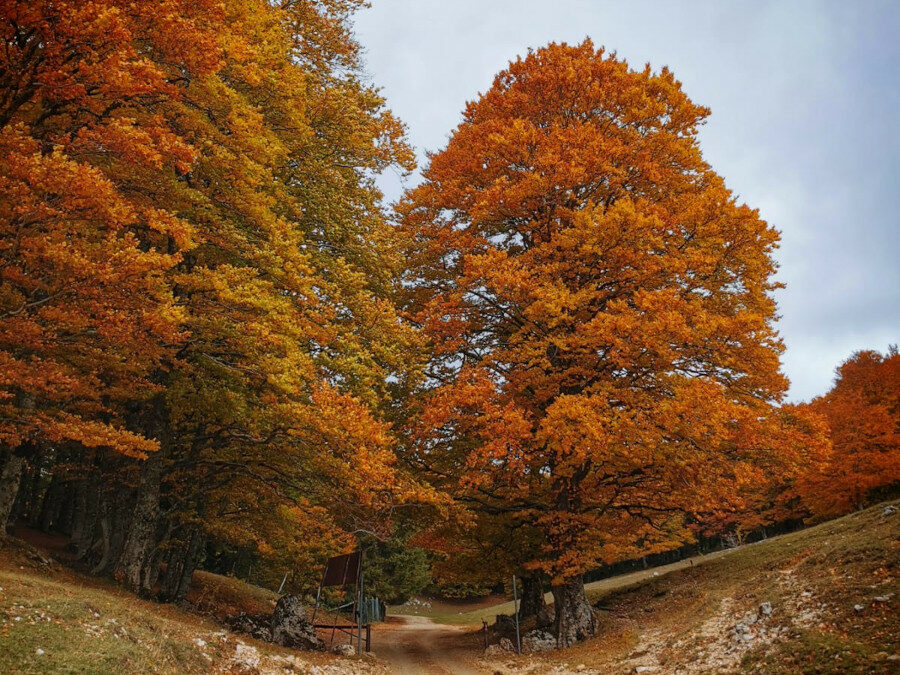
point(516, 608)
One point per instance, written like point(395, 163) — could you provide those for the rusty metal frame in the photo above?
point(353, 630)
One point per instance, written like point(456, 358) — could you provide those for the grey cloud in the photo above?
point(804, 99)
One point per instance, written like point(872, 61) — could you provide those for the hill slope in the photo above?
point(822, 600)
point(54, 620)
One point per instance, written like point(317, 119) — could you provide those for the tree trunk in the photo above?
point(574, 614)
point(35, 492)
point(532, 596)
point(182, 562)
point(79, 515)
point(53, 502)
point(66, 520)
point(87, 505)
point(20, 505)
point(10, 478)
point(106, 547)
point(114, 521)
point(140, 544)
point(141, 539)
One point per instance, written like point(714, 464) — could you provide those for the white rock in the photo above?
point(245, 655)
point(344, 650)
point(39, 652)
point(538, 641)
point(858, 608)
point(765, 608)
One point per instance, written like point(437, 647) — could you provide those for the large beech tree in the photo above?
point(600, 309)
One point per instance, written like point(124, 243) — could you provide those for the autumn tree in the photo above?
point(85, 311)
point(862, 412)
point(600, 309)
point(768, 489)
point(235, 148)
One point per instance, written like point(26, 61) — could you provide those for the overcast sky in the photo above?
point(805, 100)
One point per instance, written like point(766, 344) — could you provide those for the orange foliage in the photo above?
point(600, 310)
point(195, 263)
point(863, 413)
point(85, 311)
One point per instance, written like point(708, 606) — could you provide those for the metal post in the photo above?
point(359, 606)
point(319, 593)
point(516, 608)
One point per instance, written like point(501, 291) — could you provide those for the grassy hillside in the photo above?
point(53, 620)
point(823, 600)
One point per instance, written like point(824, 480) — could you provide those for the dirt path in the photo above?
point(415, 644)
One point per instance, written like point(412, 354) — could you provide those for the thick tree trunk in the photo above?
point(574, 614)
point(114, 520)
point(87, 510)
point(20, 505)
point(66, 519)
point(140, 545)
point(141, 540)
point(532, 596)
point(104, 543)
point(87, 513)
point(10, 478)
point(79, 523)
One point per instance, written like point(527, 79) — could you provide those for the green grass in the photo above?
point(83, 624)
point(85, 629)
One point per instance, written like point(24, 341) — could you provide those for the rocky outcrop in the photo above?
point(538, 641)
point(255, 625)
point(291, 628)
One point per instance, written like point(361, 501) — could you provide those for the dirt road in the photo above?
point(415, 644)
